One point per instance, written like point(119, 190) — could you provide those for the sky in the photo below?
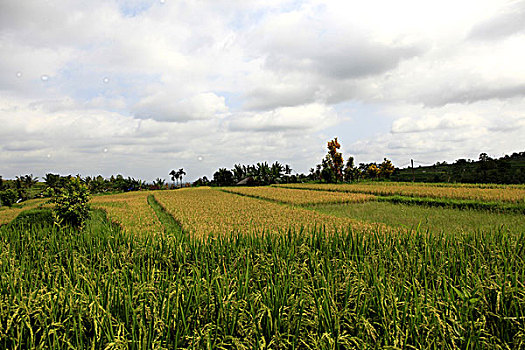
point(142, 87)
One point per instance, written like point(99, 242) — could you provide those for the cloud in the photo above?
point(304, 118)
point(509, 21)
point(165, 107)
point(431, 122)
point(156, 86)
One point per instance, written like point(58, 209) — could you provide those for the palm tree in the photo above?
point(181, 172)
point(174, 175)
point(159, 183)
point(276, 172)
point(239, 172)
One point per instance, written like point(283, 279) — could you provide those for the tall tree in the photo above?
point(181, 173)
point(174, 175)
point(239, 172)
point(332, 163)
point(350, 171)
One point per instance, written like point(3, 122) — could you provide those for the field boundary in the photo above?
point(171, 225)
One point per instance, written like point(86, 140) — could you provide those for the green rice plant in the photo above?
point(302, 289)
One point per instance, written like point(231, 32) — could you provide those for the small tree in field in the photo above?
point(71, 204)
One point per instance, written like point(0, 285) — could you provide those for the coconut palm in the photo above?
point(181, 173)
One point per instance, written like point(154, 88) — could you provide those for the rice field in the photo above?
point(131, 210)
point(299, 197)
point(8, 214)
point(249, 273)
point(205, 211)
point(507, 194)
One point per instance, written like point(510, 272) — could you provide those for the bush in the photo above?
point(8, 197)
point(71, 204)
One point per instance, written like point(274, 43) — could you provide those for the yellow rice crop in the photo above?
point(204, 211)
point(299, 197)
point(8, 214)
point(131, 210)
point(511, 194)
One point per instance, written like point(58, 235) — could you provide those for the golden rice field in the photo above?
point(131, 210)
point(299, 197)
point(508, 194)
point(203, 211)
point(9, 214)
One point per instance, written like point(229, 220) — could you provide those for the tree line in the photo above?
point(509, 169)
point(26, 187)
point(259, 174)
point(332, 169)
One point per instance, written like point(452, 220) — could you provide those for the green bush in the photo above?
point(71, 204)
point(8, 197)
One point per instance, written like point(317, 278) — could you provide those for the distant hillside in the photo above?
point(505, 170)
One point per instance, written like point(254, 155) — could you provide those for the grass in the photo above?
point(432, 218)
point(103, 288)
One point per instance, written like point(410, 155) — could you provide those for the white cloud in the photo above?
point(306, 118)
point(166, 107)
point(242, 81)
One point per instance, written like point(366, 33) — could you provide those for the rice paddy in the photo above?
point(299, 197)
point(204, 211)
point(505, 194)
point(272, 273)
point(8, 214)
point(131, 210)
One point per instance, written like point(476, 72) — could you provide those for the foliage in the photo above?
point(71, 204)
point(351, 173)
point(373, 171)
point(335, 159)
point(386, 168)
point(8, 197)
point(202, 181)
point(223, 177)
point(509, 169)
point(262, 173)
point(158, 184)
point(176, 175)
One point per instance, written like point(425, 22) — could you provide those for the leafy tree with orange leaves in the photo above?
point(334, 160)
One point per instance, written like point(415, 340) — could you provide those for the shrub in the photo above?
point(71, 204)
point(8, 197)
